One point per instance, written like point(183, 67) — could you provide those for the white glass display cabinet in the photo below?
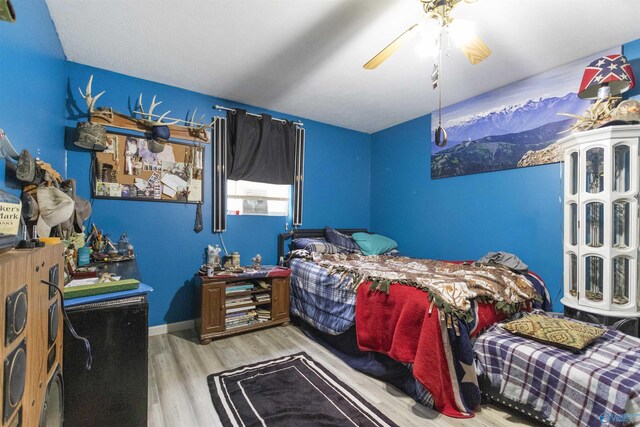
point(601, 237)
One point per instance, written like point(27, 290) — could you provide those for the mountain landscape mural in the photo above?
point(513, 126)
point(494, 152)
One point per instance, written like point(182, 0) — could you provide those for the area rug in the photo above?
point(293, 390)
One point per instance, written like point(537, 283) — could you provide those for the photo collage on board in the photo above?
point(139, 168)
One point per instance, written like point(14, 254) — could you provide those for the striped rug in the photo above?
point(293, 390)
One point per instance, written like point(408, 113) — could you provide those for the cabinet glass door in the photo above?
point(573, 174)
point(595, 170)
point(573, 232)
point(573, 275)
point(621, 232)
point(594, 233)
point(620, 295)
point(594, 278)
point(621, 168)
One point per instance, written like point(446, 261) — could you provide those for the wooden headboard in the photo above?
point(310, 233)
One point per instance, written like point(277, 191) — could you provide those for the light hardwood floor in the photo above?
point(179, 366)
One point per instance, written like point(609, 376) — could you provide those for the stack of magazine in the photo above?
point(262, 297)
point(238, 288)
point(240, 318)
point(263, 315)
point(240, 307)
point(234, 301)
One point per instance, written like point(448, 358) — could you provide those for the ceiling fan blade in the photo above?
point(475, 50)
point(390, 49)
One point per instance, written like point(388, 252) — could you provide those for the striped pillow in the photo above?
point(316, 245)
point(301, 242)
point(346, 243)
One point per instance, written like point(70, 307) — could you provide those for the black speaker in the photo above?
point(54, 322)
point(54, 276)
point(52, 408)
point(15, 369)
point(16, 309)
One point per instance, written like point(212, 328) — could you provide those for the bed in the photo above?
point(408, 337)
point(595, 386)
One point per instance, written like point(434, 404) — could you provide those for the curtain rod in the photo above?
point(233, 110)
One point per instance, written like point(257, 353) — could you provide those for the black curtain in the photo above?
point(260, 149)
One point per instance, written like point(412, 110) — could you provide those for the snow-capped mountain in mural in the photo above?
point(530, 114)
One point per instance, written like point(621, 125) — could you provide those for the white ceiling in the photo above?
point(305, 57)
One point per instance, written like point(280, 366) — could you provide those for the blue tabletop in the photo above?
point(142, 289)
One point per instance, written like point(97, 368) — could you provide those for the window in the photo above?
point(257, 198)
point(231, 197)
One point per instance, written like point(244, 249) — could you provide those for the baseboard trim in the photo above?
point(171, 327)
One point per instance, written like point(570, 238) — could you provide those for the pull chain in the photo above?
point(440, 85)
point(440, 137)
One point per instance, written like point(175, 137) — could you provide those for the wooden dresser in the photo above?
point(225, 297)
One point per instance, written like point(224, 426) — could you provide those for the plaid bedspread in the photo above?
point(597, 386)
point(323, 300)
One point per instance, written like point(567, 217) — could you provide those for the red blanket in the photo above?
point(399, 325)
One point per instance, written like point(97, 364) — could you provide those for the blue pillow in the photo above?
point(374, 244)
point(341, 240)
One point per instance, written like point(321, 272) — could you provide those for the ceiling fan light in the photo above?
point(427, 47)
point(462, 32)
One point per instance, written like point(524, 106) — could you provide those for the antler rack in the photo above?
point(191, 130)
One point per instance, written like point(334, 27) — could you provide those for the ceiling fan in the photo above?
point(440, 10)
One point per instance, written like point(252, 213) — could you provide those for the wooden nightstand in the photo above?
point(227, 301)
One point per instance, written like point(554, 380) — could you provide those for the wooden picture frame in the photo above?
point(131, 168)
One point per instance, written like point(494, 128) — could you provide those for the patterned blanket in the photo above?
point(444, 380)
point(599, 385)
point(403, 326)
point(451, 287)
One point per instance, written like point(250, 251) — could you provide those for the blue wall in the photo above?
point(32, 75)
point(517, 210)
point(337, 174)
point(464, 217)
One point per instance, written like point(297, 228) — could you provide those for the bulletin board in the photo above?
point(134, 167)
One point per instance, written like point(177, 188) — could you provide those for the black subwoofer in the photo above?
point(52, 408)
point(16, 315)
point(15, 369)
point(54, 322)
